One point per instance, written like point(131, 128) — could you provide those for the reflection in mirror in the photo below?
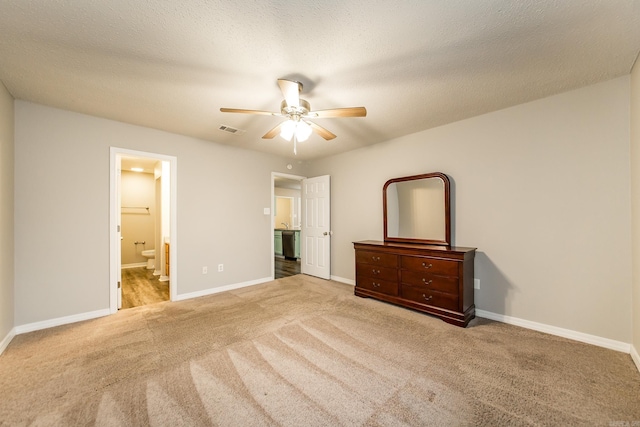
point(284, 216)
point(417, 209)
point(287, 203)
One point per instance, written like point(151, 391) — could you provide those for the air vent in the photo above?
point(229, 129)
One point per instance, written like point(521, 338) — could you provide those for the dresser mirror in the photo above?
point(417, 209)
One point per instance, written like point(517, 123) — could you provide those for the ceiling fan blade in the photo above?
point(320, 131)
point(340, 112)
point(273, 132)
point(290, 91)
point(240, 110)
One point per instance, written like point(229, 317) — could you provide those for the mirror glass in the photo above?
point(416, 209)
point(283, 214)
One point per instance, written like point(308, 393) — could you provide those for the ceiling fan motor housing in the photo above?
point(295, 112)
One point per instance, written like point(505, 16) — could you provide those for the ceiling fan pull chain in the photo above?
point(295, 143)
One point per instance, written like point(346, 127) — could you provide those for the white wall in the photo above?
point(6, 212)
point(635, 201)
point(62, 210)
point(541, 189)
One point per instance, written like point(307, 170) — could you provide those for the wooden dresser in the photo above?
point(432, 279)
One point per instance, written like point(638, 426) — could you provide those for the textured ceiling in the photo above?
point(414, 65)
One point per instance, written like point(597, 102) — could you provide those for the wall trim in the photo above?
point(134, 265)
point(561, 332)
point(36, 326)
point(211, 291)
point(635, 356)
point(6, 340)
point(343, 280)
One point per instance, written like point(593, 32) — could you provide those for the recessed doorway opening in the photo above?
point(286, 224)
point(143, 232)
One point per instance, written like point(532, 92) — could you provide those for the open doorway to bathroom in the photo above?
point(143, 234)
point(145, 279)
point(287, 205)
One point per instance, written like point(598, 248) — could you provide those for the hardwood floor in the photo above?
point(286, 268)
point(141, 287)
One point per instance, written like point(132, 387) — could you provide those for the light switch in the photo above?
point(267, 211)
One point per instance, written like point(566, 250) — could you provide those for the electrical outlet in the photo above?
point(476, 283)
point(204, 270)
point(220, 267)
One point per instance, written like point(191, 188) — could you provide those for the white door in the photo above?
point(119, 230)
point(316, 227)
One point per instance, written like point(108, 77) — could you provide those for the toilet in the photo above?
point(150, 254)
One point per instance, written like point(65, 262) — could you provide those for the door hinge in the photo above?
point(118, 285)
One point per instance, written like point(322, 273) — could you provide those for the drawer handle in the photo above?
point(374, 271)
point(375, 285)
point(425, 265)
point(375, 258)
point(426, 282)
point(427, 298)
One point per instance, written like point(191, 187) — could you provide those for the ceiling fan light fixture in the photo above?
point(299, 129)
point(287, 130)
point(303, 131)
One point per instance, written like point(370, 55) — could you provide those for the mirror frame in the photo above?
point(446, 207)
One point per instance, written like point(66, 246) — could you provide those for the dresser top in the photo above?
point(394, 245)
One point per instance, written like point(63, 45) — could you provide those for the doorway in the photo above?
point(285, 224)
point(143, 231)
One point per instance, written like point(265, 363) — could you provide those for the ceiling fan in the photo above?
point(297, 111)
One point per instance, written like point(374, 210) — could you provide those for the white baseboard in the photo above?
point(135, 265)
point(635, 356)
point(36, 326)
point(561, 332)
point(6, 340)
point(211, 291)
point(343, 280)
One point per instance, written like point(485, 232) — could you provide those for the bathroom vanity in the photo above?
point(415, 266)
point(278, 242)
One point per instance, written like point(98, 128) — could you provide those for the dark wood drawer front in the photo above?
point(430, 281)
point(376, 285)
point(424, 296)
point(377, 258)
point(376, 272)
point(430, 265)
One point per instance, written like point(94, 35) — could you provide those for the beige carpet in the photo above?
point(301, 351)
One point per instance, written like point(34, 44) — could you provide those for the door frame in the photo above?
point(115, 262)
point(273, 205)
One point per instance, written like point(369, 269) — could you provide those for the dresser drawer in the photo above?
point(423, 295)
point(430, 281)
point(377, 258)
point(376, 285)
point(376, 272)
point(430, 265)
